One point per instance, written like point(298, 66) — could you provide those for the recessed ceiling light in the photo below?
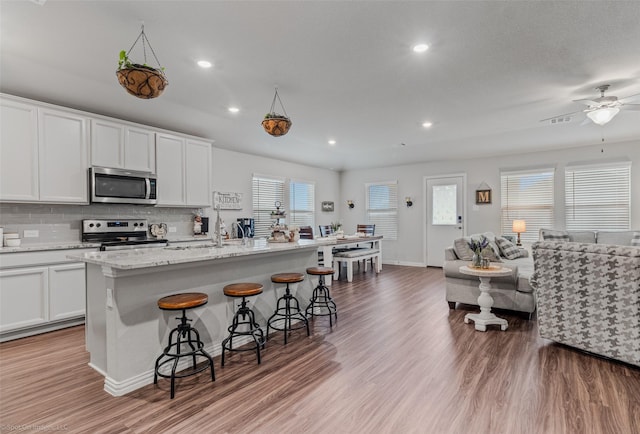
point(332, 142)
point(204, 64)
point(427, 124)
point(234, 109)
point(420, 48)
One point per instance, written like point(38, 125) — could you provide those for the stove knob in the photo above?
point(141, 224)
point(98, 225)
point(135, 224)
point(91, 225)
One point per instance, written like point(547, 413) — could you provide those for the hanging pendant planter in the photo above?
point(274, 123)
point(142, 81)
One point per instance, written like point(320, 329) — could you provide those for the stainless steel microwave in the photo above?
point(110, 185)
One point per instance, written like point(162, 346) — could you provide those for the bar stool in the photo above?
point(288, 308)
point(183, 336)
point(252, 328)
point(321, 302)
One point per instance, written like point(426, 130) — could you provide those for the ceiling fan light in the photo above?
point(603, 115)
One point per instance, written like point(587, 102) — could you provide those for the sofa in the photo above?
point(512, 292)
point(515, 292)
point(589, 295)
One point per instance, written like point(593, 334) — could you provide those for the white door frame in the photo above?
point(425, 210)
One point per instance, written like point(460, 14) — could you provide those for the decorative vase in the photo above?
point(476, 261)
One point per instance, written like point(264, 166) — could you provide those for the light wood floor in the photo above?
point(398, 361)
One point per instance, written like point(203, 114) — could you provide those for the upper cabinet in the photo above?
point(18, 151)
point(184, 171)
point(43, 154)
point(122, 146)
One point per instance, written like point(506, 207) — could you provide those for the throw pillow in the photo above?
point(461, 247)
point(549, 235)
point(635, 241)
point(508, 249)
point(492, 251)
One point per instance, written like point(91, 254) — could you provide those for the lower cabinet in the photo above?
point(37, 299)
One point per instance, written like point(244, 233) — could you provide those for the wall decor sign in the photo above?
point(327, 206)
point(227, 200)
point(483, 196)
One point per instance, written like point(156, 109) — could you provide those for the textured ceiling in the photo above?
point(345, 71)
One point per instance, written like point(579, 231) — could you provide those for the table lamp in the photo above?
point(519, 226)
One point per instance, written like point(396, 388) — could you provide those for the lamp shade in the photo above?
point(519, 226)
point(603, 115)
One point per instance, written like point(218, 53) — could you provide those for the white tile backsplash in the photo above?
point(62, 223)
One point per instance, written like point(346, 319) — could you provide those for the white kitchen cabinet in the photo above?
point(198, 173)
point(67, 291)
point(122, 146)
point(18, 151)
point(43, 153)
point(40, 291)
point(24, 298)
point(63, 156)
point(184, 171)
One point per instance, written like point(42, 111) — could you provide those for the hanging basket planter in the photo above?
point(142, 81)
point(274, 123)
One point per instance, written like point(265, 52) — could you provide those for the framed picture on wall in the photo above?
point(483, 197)
point(327, 206)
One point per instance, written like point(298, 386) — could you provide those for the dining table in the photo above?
point(349, 242)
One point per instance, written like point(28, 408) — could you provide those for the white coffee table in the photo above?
point(485, 301)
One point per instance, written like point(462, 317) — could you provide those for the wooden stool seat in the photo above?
point(287, 278)
point(320, 271)
point(187, 300)
point(242, 289)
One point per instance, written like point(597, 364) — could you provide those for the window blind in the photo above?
point(301, 200)
point(527, 195)
point(382, 208)
point(598, 196)
point(266, 191)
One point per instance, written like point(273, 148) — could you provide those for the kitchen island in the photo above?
point(125, 330)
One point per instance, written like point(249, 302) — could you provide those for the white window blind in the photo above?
point(527, 195)
point(382, 208)
point(301, 200)
point(598, 196)
point(266, 190)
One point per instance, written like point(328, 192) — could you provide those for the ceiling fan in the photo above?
point(599, 110)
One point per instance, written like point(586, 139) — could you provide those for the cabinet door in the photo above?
point(67, 291)
point(107, 144)
point(198, 173)
point(170, 169)
point(140, 149)
point(18, 151)
point(23, 298)
point(63, 156)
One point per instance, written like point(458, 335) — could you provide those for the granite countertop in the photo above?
point(144, 258)
point(58, 245)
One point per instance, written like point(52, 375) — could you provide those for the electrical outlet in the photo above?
point(109, 301)
point(31, 233)
point(173, 229)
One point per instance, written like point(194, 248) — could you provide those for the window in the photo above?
point(527, 195)
point(266, 190)
point(301, 203)
point(598, 196)
point(382, 208)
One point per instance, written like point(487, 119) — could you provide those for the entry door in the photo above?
point(445, 216)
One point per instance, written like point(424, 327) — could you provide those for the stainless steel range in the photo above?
point(119, 234)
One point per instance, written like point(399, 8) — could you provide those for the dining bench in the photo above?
point(348, 257)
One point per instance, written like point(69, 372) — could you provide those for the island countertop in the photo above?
point(155, 257)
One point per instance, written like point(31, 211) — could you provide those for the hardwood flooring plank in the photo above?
point(396, 361)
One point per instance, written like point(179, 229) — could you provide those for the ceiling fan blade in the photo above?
point(585, 121)
point(588, 102)
point(561, 116)
point(629, 98)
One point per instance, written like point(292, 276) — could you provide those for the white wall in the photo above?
point(408, 249)
point(232, 172)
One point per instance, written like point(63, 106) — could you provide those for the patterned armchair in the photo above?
point(589, 297)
